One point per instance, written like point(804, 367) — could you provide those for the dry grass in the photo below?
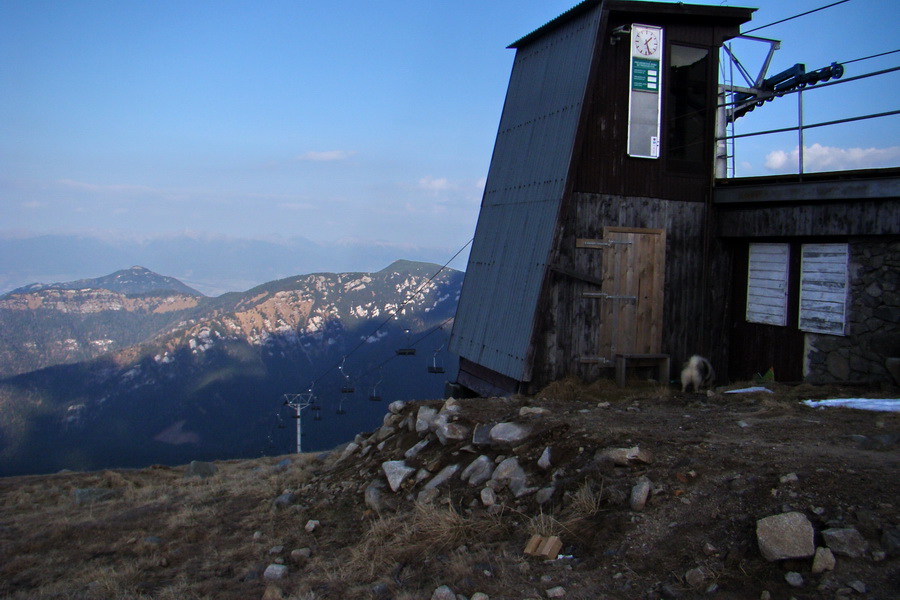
point(585, 502)
point(427, 530)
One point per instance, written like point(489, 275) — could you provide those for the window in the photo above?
point(767, 284)
point(823, 288)
point(688, 107)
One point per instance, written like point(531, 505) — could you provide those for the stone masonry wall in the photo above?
point(870, 351)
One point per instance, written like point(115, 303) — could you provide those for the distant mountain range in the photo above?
point(213, 265)
point(136, 368)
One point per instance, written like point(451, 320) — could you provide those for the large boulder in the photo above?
point(788, 535)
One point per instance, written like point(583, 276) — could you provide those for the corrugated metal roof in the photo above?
point(525, 186)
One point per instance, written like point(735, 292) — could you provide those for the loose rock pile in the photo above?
point(424, 453)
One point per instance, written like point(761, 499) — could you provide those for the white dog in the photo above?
point(698, 372)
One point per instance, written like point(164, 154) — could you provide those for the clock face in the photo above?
point(646, 41)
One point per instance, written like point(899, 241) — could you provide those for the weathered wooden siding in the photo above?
point(852, 217)
point(569, 323)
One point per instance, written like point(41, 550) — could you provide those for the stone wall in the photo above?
point(870, 352)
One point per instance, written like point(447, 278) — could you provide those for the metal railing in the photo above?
point(801, 126)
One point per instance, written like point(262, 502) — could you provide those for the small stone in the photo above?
point(845, 541)
point(890, 540)
point(311, 525)
point(449, 432)
point(481, 435)
point(479, 470)
point(284, 500)
point(790, 479)
point(556, 592)
point(424, 418)
point(509, 434)
point(858, 586)
point(451, 406)
point(276, 549)
point(300, 554)
point(373, 496)
point(765, 595)
point(695, 577)
point(544, 460)
point(257, 535)
point(397, 407)
point(625, 456)
point(794, 579)
point(443, 475)
point(544, 495)
point(537, 411)
point(480, 596)
point(427, 496)
point(348, 451)
point(639, 494)
point(275, 571)
point(823, 561)
point(415, 450)
point(488, 497)
point(396, 472)
point(443, 593)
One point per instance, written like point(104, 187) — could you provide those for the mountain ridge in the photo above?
point(233, 356)
point(133, 281)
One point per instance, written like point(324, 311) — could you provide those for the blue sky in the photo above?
point(333, 120)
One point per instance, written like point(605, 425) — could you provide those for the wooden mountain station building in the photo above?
point(606, 244)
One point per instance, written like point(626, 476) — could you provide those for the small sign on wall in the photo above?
point(645, 89)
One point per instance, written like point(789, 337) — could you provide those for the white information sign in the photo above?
point(645, 91)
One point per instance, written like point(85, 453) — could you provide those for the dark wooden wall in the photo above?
point(608, 188)
point(568, 324)
point(601, 164)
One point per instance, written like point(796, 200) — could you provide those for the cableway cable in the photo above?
point(847, 62)
point(809, 12)
point(394, 313)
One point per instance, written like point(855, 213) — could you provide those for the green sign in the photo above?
point(645, 74)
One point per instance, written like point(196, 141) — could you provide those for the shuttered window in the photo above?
point(767, 284)
point(823, 288)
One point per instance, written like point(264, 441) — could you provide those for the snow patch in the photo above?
point(877, 404)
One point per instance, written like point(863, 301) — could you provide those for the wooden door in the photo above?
point(632, 291)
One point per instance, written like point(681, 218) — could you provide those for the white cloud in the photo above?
point(106, 188)
point(296, 206)
point(326, 156)
point(433, 184)
point(830, 158)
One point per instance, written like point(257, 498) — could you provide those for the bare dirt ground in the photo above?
point(717, 464)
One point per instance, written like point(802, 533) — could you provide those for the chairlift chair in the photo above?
point(408, 350)
point(347, 388)
point(375, 396)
